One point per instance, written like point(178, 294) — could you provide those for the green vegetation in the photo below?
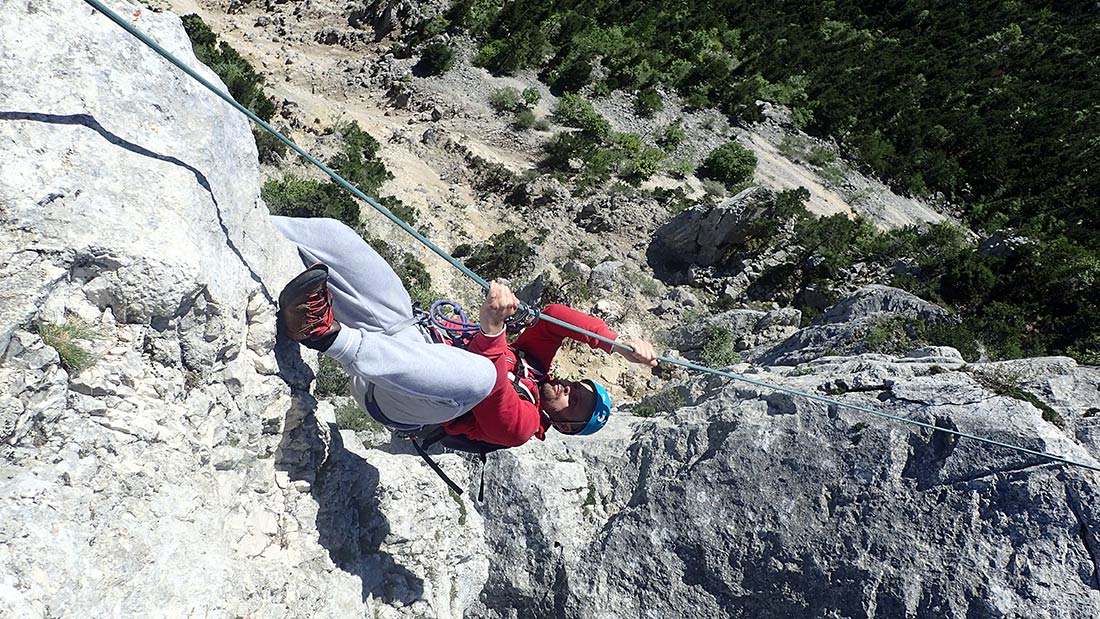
point(894, 334)
point(1004, 302)
point(65, 339)
point(520, 105)
point(244, 84)
point(666, 401)
point(802, 149)
point(1006, 382)
point(672, 136)
point(718, 348)
point(356, 160)
point(604, 153)
point(503, 256)
point(647, 103)
point(293, 196)
point(730, 164)
point(351, 416)
point(576, 111)
point(995, 110)
point(510, 99)
point(435, 59)
point(410, 270)
point(332, 380)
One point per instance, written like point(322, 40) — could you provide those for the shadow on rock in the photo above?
point(352, 527)
point(350, 522)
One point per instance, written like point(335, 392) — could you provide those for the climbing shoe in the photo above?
point(305, 309)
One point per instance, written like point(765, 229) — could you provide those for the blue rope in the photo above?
point(525, 309)
point(450, 317)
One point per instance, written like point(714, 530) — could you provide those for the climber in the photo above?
point(351, 306)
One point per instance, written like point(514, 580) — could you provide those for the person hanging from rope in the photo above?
point(350, 305)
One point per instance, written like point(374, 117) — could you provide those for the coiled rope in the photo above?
point(99, 6)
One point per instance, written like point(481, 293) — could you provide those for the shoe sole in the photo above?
point(307, 280)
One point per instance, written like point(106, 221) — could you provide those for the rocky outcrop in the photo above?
point(876, 318)
point(386, 16)
point(747, 328)
point(704, 236)
point(169, 460)
point(745, 502)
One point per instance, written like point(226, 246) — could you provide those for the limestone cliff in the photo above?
point(187, 471)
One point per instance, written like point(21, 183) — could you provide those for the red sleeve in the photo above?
point(502, 418)
point(541, 341)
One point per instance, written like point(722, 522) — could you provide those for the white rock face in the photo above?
point(187, 471)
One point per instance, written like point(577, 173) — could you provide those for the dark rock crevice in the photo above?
point(1089, 537)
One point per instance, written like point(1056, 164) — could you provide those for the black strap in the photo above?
point(481, 489)
point(435, 467)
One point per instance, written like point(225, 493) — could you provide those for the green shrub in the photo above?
point(402, 211)
point(430, 28)
point(410, 270)
point(665, 401)
point(242, 82)
point(681, 168)
point(645, 163)
point(269, 148)
point(524, 120)
point(351, 416)
point(65, 337)
point(504, 255)
point(730, 164)
point(576, 111)
point(1006, 382)
point(332, 380)
point(292, 196)
point(571, 76)
point(531, 97)
point(718, 348)
point(357, 160)
point(474, 15)
point(672, 136)
point(436, 59)
point(505, 99)
point(647, 103)
point(490, 177)
point(820, 156)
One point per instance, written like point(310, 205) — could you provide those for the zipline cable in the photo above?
point(99, 6)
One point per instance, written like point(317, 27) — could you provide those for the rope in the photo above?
point(525, 309)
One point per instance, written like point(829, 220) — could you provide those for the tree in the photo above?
point(730, 164)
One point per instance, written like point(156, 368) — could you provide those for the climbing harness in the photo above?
point(525, 309)
point(446, 322)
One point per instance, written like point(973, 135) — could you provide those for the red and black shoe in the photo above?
point(305, 309)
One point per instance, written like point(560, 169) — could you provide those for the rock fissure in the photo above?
point(1089, 537)
point(1031, 466)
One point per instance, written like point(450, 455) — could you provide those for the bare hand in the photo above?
point(500, 303)
point(643, 353)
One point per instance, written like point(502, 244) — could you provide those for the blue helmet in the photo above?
point(602, 410)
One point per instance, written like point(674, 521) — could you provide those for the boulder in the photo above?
point(704, 235)
point(877, 299)
point(873, 319)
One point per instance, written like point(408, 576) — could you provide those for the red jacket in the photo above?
point(503, 417)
